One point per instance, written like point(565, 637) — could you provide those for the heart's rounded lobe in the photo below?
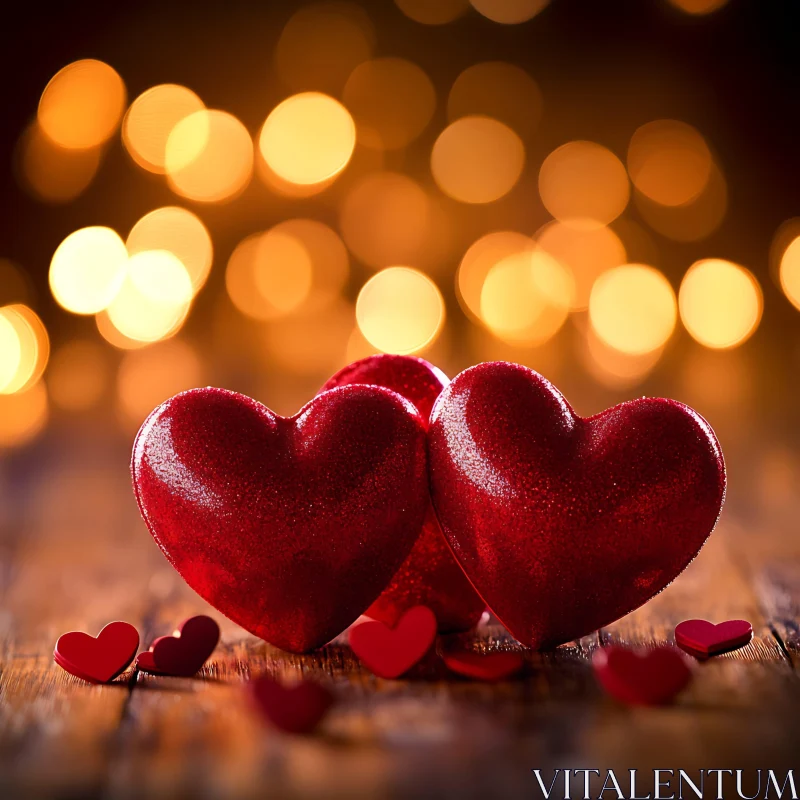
point(430, 576)
point(290, 527)
point(565, 523)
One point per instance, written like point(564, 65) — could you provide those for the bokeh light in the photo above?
point(82, 105)
point(439, 12)
point(614, 369)
point(789, 272)
point(23, 415)
point(10, 351)
point(78, 375)
point(148, 377)
point(400, 310)
point(477, 159)
point(106, 329)
point(322, 44)
point(586, 252)
point(392, 101)
point(632, 308)
point(526, 298)
point(498, 90)
point(31, 353)
point(584, 184)
point(154, 298)
point(52, 173)
point(385, 219)
point(308, 138)
point(209, 156)
point(509, 12)
point(669, 162)
point(150, 119)
point(698, 7)
point(87, 269)
point(720, 303)
point(479, 259)
point(180, 232)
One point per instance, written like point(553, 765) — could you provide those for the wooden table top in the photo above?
point(74, 555)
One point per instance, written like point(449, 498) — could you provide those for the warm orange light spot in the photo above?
point(209, 156)
point(105, 327)
point(614, 369)
point(439, 12)
point(10, 351)
point(33, 349)
point(150, 120)
point(498, 90)
point(82, 105)
point(87, 269)
point(509, 12)
point(154, 299)
point(181, 233)
point(720, 303)
point(789, 272)
point(584, 184)
point(385, 219)
point(698, 6)
point(632, 308)
point(586, 252)
point(392, 101)
point(479, 259)
point(23, 415)
point(669, 162)
point(308, 138)
point(400, 310)
point(526, 297)
point(322, 44)
point(78, 375)
point(53, 173)
point(477, 159)
point(148, 377)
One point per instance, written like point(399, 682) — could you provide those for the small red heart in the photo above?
point(293, 709)
point(183, 653)
point(643, 678)
point(101, 659)
point(704, 638)
point(145, 663)
point(389, 652)
point(490, 667)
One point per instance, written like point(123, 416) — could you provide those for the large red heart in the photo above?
point(430, 576)
point(646, 678)
point(703, 638)
point(565, 523)
point(184, 652)
point(289, 526)
point(292, 709)
point(100, 659)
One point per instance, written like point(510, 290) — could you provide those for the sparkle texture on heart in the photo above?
point(98, 659)
point(430, 576)
point(565, 523)
point(183, 653)
point(703, 638)
point(291, 709)
point(490, 667)
point(290, 527)
point(643, 678)
point(391, 652)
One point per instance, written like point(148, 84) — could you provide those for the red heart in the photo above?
point(703, 638)
point(183, 653)
point(564, 523)
point(387, 652)
point(430, 576)
point(289, 526)
point(490, 667)
point(101, 659)
point(293, 709)
point(646, 678)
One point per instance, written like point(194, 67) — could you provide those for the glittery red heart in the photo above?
point(703, 638)
point(389, 653)
point(643, 678)
point(430, 576)
point(289, 526)
point(292, 709)
point(489, 667)
point(565, 523)
point(183, 653)
point(100, 659)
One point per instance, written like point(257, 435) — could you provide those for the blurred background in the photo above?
point(253, 195)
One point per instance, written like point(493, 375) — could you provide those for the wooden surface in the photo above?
point(74, 555)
